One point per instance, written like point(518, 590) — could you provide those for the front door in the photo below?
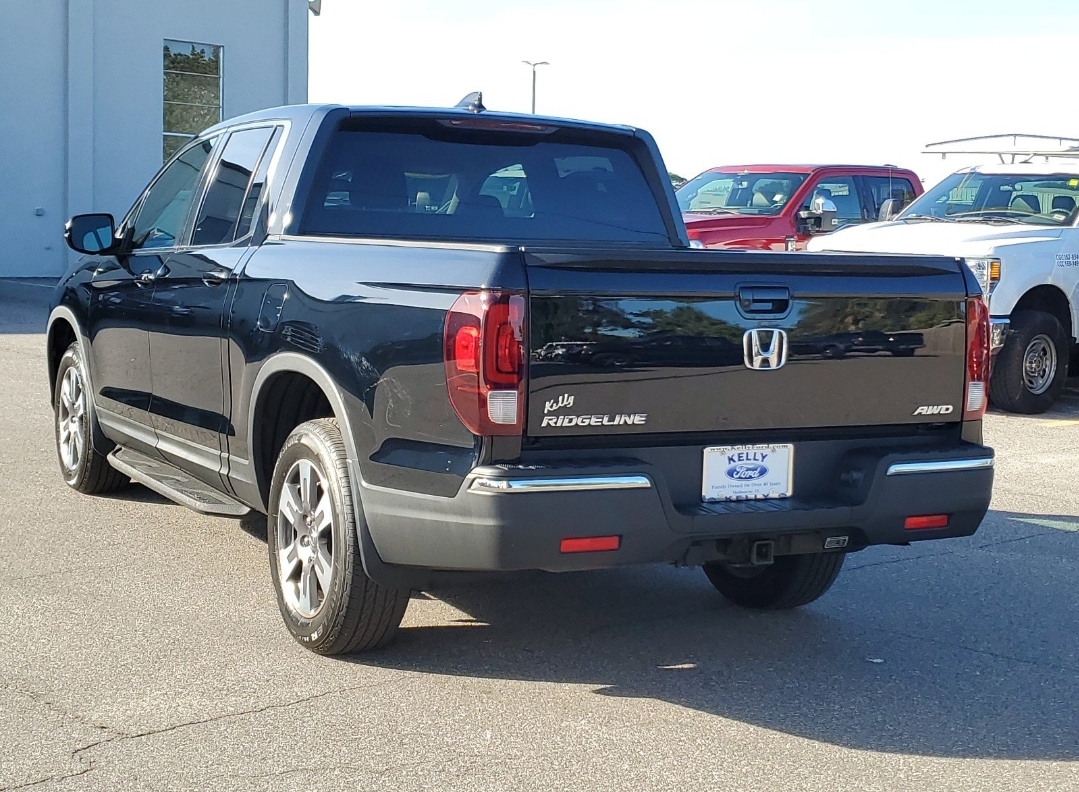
point(187, 350)
point(121, 291)
point(841, 192)
point(121, 301)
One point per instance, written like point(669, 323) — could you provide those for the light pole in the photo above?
point(534, 65)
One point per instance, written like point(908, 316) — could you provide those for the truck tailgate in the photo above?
point(704, 341)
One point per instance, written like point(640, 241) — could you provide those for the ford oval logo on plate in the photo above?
point(746, 472)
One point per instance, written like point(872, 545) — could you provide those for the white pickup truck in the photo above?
point(1015, 225)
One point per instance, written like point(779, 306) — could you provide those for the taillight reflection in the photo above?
point(976, 393)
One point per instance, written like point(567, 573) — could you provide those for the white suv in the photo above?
point(1016, 227)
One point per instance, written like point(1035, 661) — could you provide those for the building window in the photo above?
point(192, 92)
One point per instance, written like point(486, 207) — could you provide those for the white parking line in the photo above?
point(1059, 525)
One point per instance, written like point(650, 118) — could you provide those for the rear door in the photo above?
point(709, 341)
point(878, 189)
point(186, 329)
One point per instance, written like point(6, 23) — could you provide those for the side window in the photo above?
point(881, 188)
point(843, 194)
point(225, 199)
point(164, 209)
point(258, 185)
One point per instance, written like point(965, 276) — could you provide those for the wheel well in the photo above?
point(1051, 300)
point(287, 400)
point(61, 336)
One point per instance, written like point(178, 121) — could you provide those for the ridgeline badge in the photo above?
point(636, 419)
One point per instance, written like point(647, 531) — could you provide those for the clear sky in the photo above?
point(725, 81)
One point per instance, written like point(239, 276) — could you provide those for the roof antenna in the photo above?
point(473, 102)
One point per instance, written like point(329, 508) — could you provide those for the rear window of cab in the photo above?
point(424, 180)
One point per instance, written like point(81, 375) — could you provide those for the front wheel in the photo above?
point(788, 582)
point(1030, 371)
point(84, 469)
point(325, 597)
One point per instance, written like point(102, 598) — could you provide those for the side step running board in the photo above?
point(174, 484)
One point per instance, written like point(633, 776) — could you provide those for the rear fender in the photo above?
point(288, 362)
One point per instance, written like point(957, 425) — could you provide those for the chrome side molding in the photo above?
point(939, 466)
point(491, 484)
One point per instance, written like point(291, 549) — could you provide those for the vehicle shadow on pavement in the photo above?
point(138, 493)
point(856, 669)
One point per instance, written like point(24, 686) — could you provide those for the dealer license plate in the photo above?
point(747, 472)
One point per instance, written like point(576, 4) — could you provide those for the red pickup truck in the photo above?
point(778, 207)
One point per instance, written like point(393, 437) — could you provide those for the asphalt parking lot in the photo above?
point(141, 648)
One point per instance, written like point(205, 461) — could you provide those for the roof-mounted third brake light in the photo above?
point(474, 104)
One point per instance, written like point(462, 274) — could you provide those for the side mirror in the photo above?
point(817, 222)
point(90, 233)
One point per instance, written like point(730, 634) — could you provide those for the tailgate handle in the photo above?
point(764, 299)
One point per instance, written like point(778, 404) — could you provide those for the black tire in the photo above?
point(790, 582)
point(83, 468)
point(1008, 387)
point(353, 613)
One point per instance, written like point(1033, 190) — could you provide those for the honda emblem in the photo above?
point(765, 348)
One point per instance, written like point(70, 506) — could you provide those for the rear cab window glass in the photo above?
point(223, 204)
point(422, 179)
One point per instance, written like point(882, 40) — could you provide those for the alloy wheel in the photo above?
point(305, 539)
point(70, 418)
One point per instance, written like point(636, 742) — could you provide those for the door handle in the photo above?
point(216, 277)
point(145, 279)
point(764, 299)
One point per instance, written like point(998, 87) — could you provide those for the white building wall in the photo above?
point(32, 136)
point(81, 94)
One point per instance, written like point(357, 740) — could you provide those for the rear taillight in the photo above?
point(485, 361)
point(978, 360)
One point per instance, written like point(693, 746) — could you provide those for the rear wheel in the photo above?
point(325, 597)
point(1030, 371)
point(788, 582)
point(84, 469)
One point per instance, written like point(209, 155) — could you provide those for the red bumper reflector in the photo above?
point(591, 544)
point(927, 521)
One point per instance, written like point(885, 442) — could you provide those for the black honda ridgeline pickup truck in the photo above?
point(428, 340)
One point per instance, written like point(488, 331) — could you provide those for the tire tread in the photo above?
point(371, 613)
point(791, 582)
point(1006, 388)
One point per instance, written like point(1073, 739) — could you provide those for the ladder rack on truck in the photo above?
point(1068, 147)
